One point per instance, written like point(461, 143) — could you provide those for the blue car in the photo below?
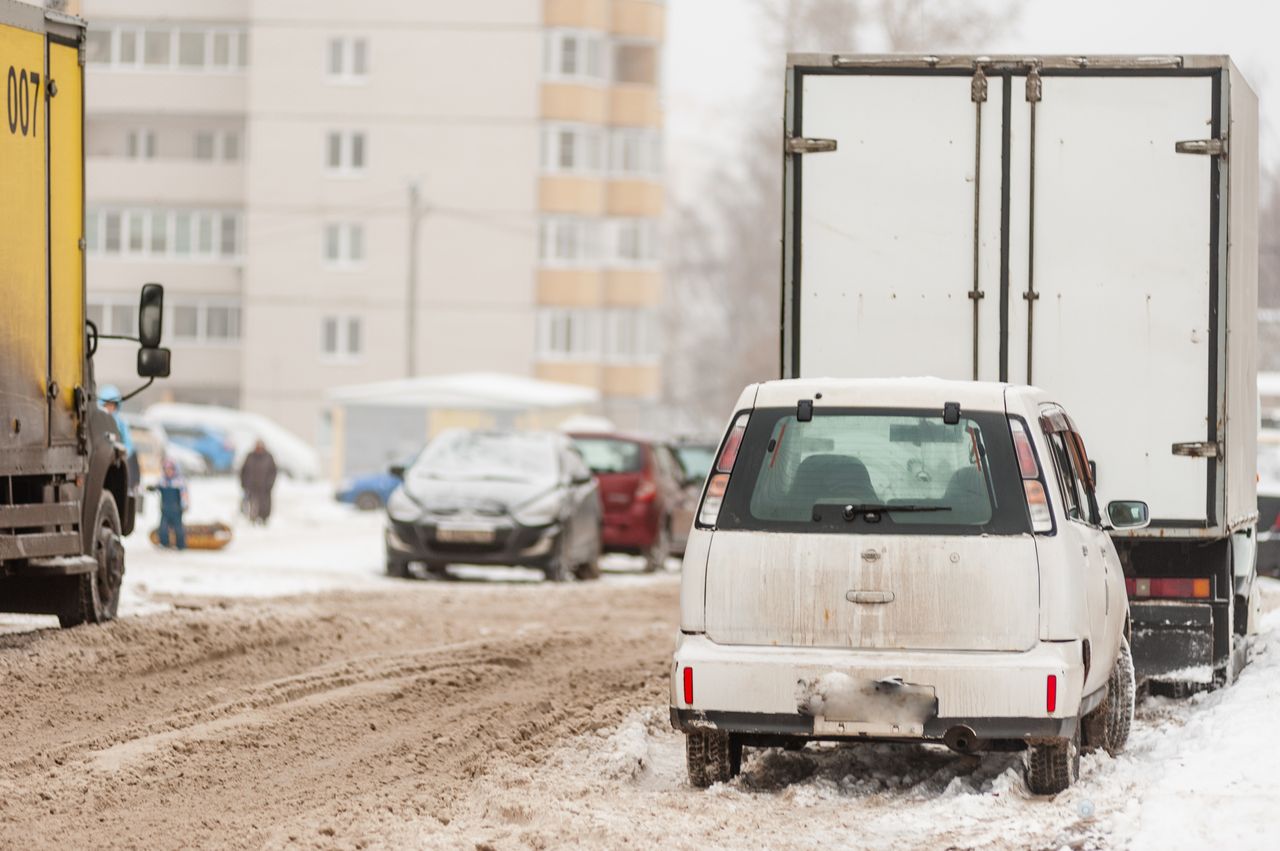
point(214, 445)
point(367, 492)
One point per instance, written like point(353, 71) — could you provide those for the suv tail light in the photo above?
point(1032, 479)
point(1194, 589)
point(646, 490)
point(718, 481)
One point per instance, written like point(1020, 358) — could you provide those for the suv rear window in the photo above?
point(943, 479)
point(610, 455)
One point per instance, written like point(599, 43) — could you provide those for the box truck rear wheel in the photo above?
point(95, 597)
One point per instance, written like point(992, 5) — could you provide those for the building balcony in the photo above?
point(642, 198)
point(638, 19)
point(164, 181)
point(147, 92)
point(579, 102)
point(581, 195)
point(634, 105)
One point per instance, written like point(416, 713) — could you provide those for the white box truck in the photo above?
point(1087, 224)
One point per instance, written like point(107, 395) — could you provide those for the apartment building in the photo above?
point(335, 193)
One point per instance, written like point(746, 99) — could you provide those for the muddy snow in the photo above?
point(283, 693)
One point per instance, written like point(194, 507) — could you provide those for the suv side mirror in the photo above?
point(153, 363)
point(1128, 514)
point(150, 318)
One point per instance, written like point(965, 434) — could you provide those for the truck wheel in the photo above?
point(1108, 725)
point(95, 597)
point(711, 757)
point(1053, 766)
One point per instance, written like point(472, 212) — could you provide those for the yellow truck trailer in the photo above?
point(65, 494)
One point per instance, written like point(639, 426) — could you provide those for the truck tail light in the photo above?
point(1051, 693)
point(1193, 589)
point(718, 482)
point(688, 686)
point(1032, 480)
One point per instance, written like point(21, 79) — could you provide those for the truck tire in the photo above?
point(95, 597)
point(1053, 766)
point(1107, 726)
point(711, 757)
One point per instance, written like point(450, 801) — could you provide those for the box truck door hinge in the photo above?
point(978, 86)
point(1035, 88)
point(802, 145)
point(1209, 147)
point(1198, 449)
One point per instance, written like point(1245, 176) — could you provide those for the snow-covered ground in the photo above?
point(1198, 773)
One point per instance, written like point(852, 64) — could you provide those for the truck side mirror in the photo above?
point(153, 363)
point(1128, 514)
point(150, 320)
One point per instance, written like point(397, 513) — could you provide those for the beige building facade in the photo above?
point(260, 157)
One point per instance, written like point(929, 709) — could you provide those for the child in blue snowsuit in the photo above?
point(173, 501)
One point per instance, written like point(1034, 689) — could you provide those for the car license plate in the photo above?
point(457, 534)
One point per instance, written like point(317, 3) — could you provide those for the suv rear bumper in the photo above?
point(896, 695)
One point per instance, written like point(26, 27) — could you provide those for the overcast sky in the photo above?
point(715, 56)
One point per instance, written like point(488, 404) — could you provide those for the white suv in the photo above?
point(903, 560)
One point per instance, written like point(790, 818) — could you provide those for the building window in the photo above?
point(568, 334)
point(341, 337)
point(575, 56)
point(635, 62)
point(631, 336)
point(633, 242)
point(635, 151)
point(158, 233)
point(347, 60)
point(217, 145)
point(190, 319)
point(572, 148)
point(140, 144)
point(569, 241)
point(345, 151)
point(343, 244)
point(170, 47)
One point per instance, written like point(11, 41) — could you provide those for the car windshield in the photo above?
point(487, 456)
point(695, 460)
point(610, 455)
point(889, 471)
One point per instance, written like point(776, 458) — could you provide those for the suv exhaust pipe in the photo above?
point(962, 739)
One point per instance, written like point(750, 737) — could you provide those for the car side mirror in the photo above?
point(153, 363)
point(580, 478)
point(1128, 514)
point(151, 317)
point(397, 470)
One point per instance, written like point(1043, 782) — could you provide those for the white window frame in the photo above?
point(647, 240)
point(348, 236)
point(589, 145)
point(556, 233)
point(346, 74)
point(631, 336)
point(197, 219)
point(237, 48)
point(143, 142)
point(592, 63)
point(569, 334)
point(647, 143)
point(343, 324)
point(346, 149)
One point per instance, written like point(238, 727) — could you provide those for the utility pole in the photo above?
point(416, 214)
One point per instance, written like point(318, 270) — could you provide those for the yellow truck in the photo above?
point(65, 492)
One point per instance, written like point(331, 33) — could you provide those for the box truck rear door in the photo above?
point(885, 248)
point(1122, 256)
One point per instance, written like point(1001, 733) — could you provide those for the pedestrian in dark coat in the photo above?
point(257, 478)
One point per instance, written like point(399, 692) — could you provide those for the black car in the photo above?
point(520, 498)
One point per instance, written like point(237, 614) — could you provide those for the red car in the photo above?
point(640, 488)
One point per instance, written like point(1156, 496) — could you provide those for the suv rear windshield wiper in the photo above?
point(851, 510)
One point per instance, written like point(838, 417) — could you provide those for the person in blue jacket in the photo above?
point(109, 399)
point(174, 499)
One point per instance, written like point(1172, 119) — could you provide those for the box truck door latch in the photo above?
point(802, 145)
point(1201, 449)
point(1209, 147)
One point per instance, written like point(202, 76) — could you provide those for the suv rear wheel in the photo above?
point(1054, 765)
point(711, 757)
point(1107, 727)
